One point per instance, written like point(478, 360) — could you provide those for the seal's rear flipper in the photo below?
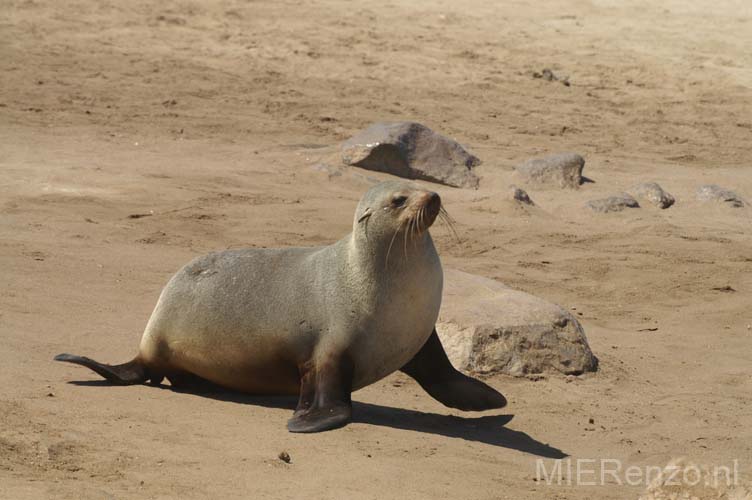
point(132, 372)
point(434, 372)
point(325, 402)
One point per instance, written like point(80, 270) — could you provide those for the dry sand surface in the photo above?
point(209, 118)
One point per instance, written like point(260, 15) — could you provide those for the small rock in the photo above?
point(653, 193)
point(285, 457)
point(546, 74)
point(713, 192)
point(615, 203)
point(521, 196)
point(177, 21)
point(563, 170)
point(412, 151)
point(550, 76)
point(141, 216)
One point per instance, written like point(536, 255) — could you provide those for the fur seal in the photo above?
point(315, 322)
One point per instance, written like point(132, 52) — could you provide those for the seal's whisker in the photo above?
point(450, 224)
point(407, 232)
point(416, 227)
point(420, 225)
point(443, 212)
point(386, 262)
point(449, 221)
point(446, 214)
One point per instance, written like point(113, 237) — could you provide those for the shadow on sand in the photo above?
point(486, 429)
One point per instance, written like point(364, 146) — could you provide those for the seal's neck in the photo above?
point(402, 252)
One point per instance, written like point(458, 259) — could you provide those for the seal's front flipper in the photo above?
point(324, 397)
point(132, 372)
point(434, 372)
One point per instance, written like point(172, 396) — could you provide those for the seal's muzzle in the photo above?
point(431, 208)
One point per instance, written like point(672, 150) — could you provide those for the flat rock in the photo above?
point(714, 192)
point(562, 170)
point(653, 193)
point(412, 151)
point(486, 327)
point(615, 203)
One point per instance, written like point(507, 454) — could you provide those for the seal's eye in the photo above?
point(398, 201)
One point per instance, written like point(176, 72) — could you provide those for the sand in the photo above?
point(137, 135)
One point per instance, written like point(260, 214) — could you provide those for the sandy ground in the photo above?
point(210, 117)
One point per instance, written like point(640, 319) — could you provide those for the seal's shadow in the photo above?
point(486, 429)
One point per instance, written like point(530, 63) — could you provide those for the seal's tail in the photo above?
point(130, 373)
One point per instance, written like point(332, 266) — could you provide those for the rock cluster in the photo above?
point(485, 326)
point(414, 151)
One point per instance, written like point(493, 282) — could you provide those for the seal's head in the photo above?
point(396, 208)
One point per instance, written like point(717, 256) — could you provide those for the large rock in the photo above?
point(412, 151)
point(486, 327)
point(713, 192)
point(615, 203)
point(562, 170)
point(653, 193)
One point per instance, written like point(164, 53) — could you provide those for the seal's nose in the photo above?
point(432, 204)
point(433, 201)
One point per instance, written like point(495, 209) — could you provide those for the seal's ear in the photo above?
point(365, 215)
